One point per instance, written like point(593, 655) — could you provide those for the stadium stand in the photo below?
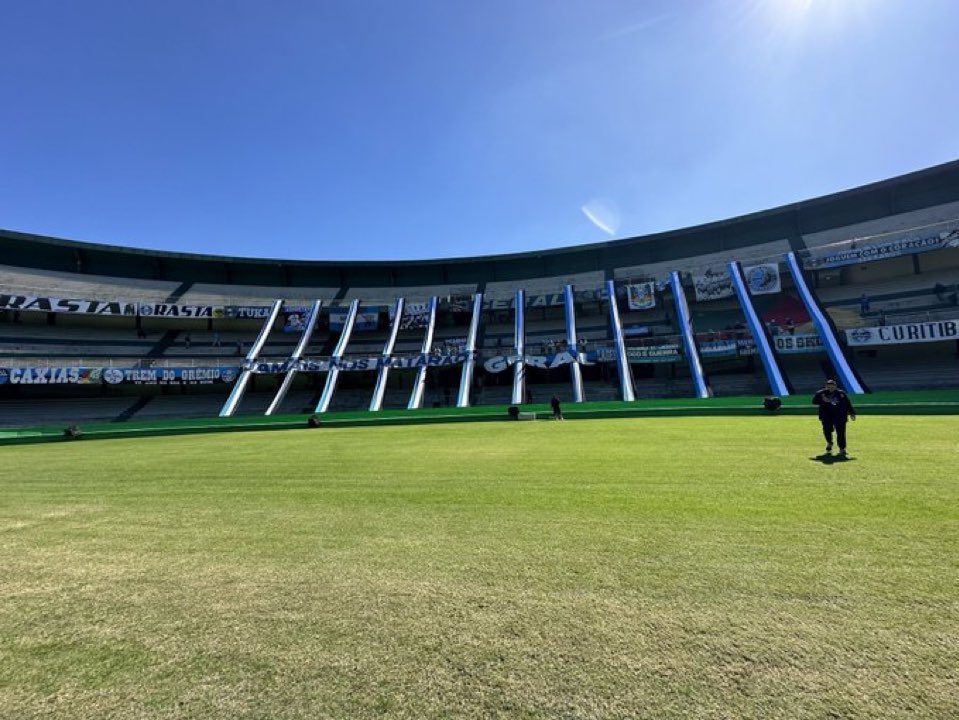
point(155, 335)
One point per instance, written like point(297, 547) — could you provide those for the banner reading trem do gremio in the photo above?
point(170, 376)
point(34, 303)
point(903, 334)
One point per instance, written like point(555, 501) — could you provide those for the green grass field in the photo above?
point(631, 568)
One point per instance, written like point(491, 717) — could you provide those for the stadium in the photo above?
point(401, 531)
point(845, 286)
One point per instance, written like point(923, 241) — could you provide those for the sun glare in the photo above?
point(792, 21)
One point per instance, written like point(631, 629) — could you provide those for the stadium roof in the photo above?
point(914, 191)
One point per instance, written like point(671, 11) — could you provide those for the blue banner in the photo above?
point(359, 364)
point(367, 318)
point(863, 251)
point(116, 376)
point(50, 376)
point(295, 318)
point(247, 312)
point(169, 376)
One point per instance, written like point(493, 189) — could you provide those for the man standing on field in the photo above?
point(834, 408)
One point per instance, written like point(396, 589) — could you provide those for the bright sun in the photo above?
point(829, 17)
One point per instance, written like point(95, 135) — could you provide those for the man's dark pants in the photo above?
point(840, 427)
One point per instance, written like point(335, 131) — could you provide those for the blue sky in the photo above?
point(419, 129)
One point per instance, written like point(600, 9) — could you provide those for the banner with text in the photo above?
point(803, 343)
point(416, 315)
point(869, 251)
point(33, 303)
point(50, 376)
point(641, 354)
point(172, 310)
point(903, 334)
point(116, 376)
point(169, 376)
point(713, 285)
point(247, 312)
point(360, 364)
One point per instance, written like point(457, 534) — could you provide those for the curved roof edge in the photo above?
point(913, 191)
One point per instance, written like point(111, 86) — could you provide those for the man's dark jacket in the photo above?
point(835, 407)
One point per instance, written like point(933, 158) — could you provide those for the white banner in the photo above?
point(653, 353)
point(179, 311)
point(803, 343)
point(713, 285)
point(763, 279)
point(358, 364)
point(367, 319)
point(902, 334)
point(641, 296)
point(31, 303)
point(415, 315)
point(544, 362)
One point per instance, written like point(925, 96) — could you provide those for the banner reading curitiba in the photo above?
point(903, 334)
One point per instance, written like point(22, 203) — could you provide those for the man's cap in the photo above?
point(830, 382)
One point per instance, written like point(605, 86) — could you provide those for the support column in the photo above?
point(295, 358)
point(847, 376)
point(686, 330)
point(376, 403)
point(229, 407)
point(334, 373)
point(777, 383)
point(419, 385)
point(622, 359)
point(576, 375)
point(519, 348)
point(466, 379)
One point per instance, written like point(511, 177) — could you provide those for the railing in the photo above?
point(880, 318)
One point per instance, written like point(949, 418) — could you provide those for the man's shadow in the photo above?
point(830, 459)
